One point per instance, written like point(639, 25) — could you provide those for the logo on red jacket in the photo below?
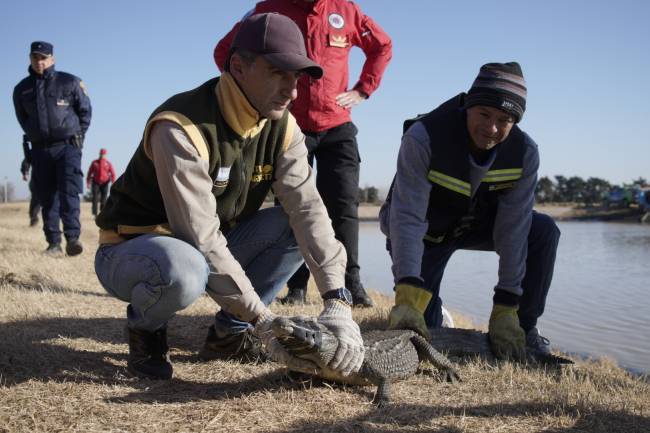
point(336, 21)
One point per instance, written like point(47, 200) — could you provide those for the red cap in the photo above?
point(102, 151)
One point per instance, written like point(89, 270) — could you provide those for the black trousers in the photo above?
point(99, 196)
point(34, 205)
point(337, 179)
point(543, 240)
point(58, 182)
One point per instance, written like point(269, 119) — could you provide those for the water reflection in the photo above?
point(598, 303)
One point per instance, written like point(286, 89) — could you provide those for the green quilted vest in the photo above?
point(242, 168)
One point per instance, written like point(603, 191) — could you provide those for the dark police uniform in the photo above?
point(54, 111)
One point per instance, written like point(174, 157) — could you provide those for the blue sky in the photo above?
point(586, 63)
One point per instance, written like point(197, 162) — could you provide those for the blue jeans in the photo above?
point(543, 239)
point(160, 275)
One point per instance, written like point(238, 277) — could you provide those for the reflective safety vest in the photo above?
point(452, 210)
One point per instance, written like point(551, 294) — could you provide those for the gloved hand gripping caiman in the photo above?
point(389, 355)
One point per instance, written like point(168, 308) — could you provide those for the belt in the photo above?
point(46, 144)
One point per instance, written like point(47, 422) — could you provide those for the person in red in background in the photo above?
point(100, 176)
point(322, 109)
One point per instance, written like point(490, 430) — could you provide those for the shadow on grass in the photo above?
point(74, 350)
point(181, 391)
point(77, 350)
point(42, 283)
point(406, 417)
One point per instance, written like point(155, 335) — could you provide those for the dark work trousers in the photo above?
point(99, 193)
point(58, 182)
point(337, 180)
point(543, 239)
point(34, 204)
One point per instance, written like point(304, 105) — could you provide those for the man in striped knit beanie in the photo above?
point(466, 177)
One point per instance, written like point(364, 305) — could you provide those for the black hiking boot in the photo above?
point(359, 297)
point(73, 247)
point(149, 354)
point(296, 296)
point(54, 250)
point(241, 346)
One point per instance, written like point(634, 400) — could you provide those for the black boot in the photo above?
point(73, 247)
point(54, 250)
point(148, 354)
point(359, 297)
point(296, 296)
point(241, 346)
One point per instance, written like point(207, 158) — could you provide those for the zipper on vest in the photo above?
point(243, 178)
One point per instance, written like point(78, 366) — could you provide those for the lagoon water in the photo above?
point(599, 301)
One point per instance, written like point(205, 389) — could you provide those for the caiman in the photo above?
point(389, 355)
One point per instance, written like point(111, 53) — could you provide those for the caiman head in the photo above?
point(303, 337)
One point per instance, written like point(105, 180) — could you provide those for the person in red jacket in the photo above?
point(100, 176)
point(322, 109)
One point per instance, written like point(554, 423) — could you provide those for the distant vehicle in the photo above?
point(643, 198)
point(621, 197)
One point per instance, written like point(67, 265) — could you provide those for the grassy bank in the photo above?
point(63, 357)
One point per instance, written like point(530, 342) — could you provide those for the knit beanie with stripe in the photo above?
point(499, 85)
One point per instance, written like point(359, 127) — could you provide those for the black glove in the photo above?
point(24, 167)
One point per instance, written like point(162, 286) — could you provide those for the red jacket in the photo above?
point(330, 28)
point(100, 172)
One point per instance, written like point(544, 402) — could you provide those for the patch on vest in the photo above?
point(222, 177)
point(498, 186)
point(261, 173)
point(336, 21)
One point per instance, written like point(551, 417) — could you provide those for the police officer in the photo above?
point(54, 111)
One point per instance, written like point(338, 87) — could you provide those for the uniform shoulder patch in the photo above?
point(83, 88)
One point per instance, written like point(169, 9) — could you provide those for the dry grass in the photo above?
point(62, 368)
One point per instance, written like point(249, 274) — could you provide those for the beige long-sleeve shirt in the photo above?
point(186, 189)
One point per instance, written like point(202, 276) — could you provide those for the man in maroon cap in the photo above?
point(322, 110)
point(100, 176)
point(185, 216)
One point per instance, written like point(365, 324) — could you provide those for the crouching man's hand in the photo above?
point(337, 317)
point(275, 349)
point(507, 338)
point(408, 313)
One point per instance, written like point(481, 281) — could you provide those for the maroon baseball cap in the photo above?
point(278, 40)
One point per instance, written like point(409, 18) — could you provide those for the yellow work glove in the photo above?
point(408, 313)
point(507, 338)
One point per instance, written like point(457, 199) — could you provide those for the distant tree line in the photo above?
point(559, 189)
point(369, 194)
point(577, 190)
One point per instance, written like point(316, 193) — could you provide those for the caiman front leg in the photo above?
point(382, 396)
